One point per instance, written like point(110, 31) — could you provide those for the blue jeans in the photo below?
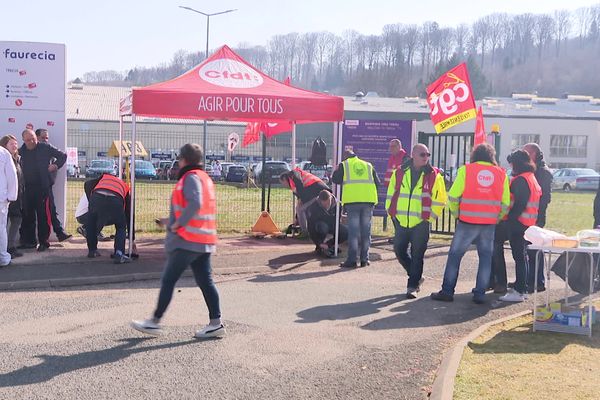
point(177, 262)
point(465, 234)
point(359, 231)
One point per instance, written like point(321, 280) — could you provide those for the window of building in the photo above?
point(568, 146)
point(520, 140)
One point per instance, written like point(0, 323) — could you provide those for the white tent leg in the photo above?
point(121, 146)
point(293, 166)
point(132, 180)
point(337, 158)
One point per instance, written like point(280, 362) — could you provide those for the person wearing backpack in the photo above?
point(359, 182)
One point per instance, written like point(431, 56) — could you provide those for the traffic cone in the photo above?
point(264, 224)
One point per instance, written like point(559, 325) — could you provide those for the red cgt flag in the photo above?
point(450, 98)
point(479, 129)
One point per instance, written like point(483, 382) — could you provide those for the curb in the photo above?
point(443, 385)
point(107, 279)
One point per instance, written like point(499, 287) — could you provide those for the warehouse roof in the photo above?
point(101, 103)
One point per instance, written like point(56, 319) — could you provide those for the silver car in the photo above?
point(569, 179)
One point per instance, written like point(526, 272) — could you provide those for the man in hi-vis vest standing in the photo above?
point(479, 198)
point(359, 182)
point(191, 238)
point(416, 196)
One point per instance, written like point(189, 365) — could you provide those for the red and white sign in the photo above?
point(450, 98)
point(232, 141)
point(72, 156)
point(11, 120)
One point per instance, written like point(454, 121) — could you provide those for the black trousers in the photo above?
point(319, 230)
point(106, 210)
point(36, 212)
point(417, 237)
point(498, 278)
point(56, 224)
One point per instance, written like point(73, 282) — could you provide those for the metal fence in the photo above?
point(239, 203)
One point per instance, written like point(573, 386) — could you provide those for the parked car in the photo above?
point(273, 169)
point(569, 179)
point(225, 166)
point(144, 170)
point(236, 173)
point(99, 167)
point(323, 172)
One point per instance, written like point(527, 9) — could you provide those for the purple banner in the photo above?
point(370, 140)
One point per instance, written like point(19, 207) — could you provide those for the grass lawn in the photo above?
point(510, 362)
point(239, 207)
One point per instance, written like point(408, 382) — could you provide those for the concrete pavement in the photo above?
point(299, 327)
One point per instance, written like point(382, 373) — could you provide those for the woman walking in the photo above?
point(191, 238)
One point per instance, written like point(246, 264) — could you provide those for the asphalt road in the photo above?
point(312, 331)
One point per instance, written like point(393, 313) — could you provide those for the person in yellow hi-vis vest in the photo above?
point(478, 198)
point(359, 182)
point(416, 196)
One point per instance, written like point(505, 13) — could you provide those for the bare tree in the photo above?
point(583, 16)
point(323, 48)
point(497, 25)
point(543, 32)
point(562, 27)
point(461, 36)
point(481, 31)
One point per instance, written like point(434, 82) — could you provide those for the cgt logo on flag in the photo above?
point(450, 98)
point(50, 123)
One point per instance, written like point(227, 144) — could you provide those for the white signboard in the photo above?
point(72, 156)
point(32, 79)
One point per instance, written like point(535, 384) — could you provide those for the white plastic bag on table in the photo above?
point(541, 237)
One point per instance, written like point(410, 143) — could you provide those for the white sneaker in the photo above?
point(210, 331)
point(147, 326)
point(513, 296)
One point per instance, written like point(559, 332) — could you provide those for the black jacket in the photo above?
point(36, 161)
point(544, 178)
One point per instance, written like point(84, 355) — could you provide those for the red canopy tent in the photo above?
point(226, 87)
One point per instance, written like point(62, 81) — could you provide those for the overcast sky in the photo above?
point(122, 34)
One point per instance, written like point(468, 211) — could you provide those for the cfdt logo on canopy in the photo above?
point(485, 178)
point(230, 73)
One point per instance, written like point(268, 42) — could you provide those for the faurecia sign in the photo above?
point(230, 73)
point(29, 55)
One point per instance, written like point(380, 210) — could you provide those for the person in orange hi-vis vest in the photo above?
point(479, 198)
point(109, 202)
point(525, 193)
point(191, 239)
point(306, 187)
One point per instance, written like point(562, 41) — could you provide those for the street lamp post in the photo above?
point(207, 15)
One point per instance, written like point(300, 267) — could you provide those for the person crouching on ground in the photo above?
point(321, 224)
point(109, 204)
point(416, 196)
point(479, 197)
point(306, 187)
point(525, 193)
point(191, 239)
